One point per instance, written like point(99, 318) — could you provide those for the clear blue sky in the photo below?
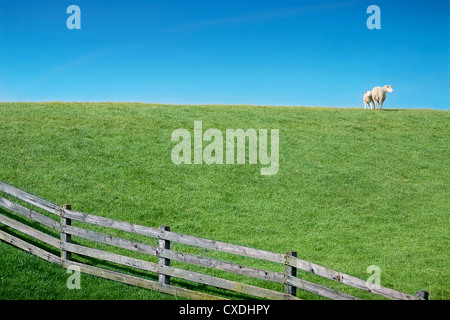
point(260, 52)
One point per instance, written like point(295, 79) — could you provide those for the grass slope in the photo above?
point(355, 188)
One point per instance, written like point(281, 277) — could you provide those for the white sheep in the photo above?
point(379, 95)
point(368, 99)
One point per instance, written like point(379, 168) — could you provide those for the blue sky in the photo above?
point(293, 53)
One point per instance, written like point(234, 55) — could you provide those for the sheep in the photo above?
point(368, 99)
point(379, 95)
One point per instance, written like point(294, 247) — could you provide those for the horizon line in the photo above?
point(230, 105)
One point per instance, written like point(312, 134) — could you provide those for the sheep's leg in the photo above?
point(381, 106)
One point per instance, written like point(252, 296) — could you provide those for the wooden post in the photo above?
point(65, 238)
point(163, 244)
point(422, 294)
point(290, 271)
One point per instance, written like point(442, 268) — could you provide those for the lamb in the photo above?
point(367, 100)
point(379, 95)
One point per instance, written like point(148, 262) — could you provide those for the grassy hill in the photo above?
point(354, 188)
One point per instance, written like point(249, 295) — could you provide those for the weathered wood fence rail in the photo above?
point(165, 255)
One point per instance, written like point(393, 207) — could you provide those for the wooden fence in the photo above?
point(164, 254)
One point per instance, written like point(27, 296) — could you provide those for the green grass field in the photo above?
point(355, 188)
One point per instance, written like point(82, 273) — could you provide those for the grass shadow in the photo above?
point(403, 110)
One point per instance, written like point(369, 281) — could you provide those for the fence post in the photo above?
point(422, 294)
point(65, 238)
point(290, 271)
point(163, 244)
